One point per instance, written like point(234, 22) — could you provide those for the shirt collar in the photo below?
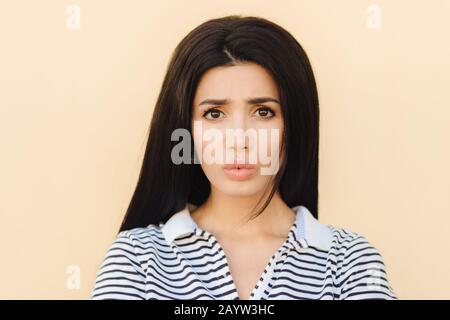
point(308, 228)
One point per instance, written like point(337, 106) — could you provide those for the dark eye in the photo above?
point(212, 114)
point(265, 112)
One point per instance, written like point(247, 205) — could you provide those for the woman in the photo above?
point(189, 231)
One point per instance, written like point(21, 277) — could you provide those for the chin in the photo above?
point(241, 188)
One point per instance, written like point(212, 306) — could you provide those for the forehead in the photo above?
point(236, 82)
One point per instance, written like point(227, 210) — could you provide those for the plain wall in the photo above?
point(75, 107)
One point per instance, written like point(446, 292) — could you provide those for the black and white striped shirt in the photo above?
point(179, 260)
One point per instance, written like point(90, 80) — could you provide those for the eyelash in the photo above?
point(261, 108)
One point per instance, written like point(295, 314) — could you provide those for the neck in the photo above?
point(228, 216)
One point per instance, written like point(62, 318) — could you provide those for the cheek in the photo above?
point(269, 151)
point(270, 141)
point(200, 138)
point(198, 130)
point(197, 141)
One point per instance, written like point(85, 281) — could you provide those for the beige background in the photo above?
point(75, 106)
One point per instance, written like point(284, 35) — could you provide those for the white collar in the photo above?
point(308, 228)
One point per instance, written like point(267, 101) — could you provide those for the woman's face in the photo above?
point(232, 112)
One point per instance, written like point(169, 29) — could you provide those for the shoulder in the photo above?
point(141, 241)
point(352, 249)
point(345, 246)
point(328, 238)
point(347, 241)
point(361, 271)
point(123, 273)
point(132, 246)
point(142, 235)
point(358, 268)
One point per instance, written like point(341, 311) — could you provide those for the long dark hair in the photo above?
point(164, 188)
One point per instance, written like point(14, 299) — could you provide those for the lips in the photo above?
point(238, 166)
point(239, 171)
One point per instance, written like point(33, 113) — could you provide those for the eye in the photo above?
point(215, 114)
point(212, 114)
point(265, 113)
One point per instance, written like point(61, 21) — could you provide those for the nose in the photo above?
point(238, 129)
point(236, 140)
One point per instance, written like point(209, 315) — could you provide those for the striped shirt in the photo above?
point(179, 260)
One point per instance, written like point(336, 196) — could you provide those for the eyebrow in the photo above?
point(255, 100)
